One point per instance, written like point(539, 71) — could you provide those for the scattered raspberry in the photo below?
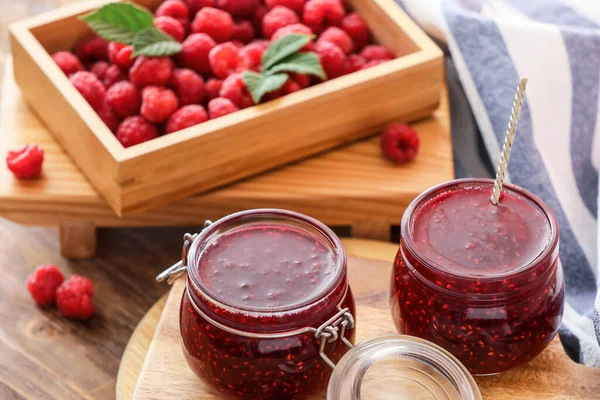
point(376, 52)
point(239, 8)
point(74, 298)
point(151, 71)
point(194, 53)
point(277, 18)
point(235, 90)
point(212, 88)
point(26, 161)
point(337, 36)
point(124, 98)
point(92, 49)
point(108, 116)
point(357, 29)
point(158, 103)
point(42, 284)
point(175, 9)
point(67, 62)
point(215, 23)
point(188, 85)
point(321, 13)
point(373, 63)
point(120, 55)
point(258, 17)
point(99, 69)
point(90, 87)
point(354, 63)
point(196, 5)
point(135, 130)
point(250, 57)
point(243, 32)
point(399, 143)
point(220, 107)
point(185, 117)
point(294, 28)
point(332, 58)
point(112, 75)
point(224, 59)
point(296, 6)
point(171, 27)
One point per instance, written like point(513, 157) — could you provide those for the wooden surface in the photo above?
point(165, 375)
point(239, 145)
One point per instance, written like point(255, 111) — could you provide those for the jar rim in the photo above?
point(408, 218)
point(235, 220)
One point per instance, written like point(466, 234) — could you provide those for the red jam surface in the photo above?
point(480, 280)
point(271, 280)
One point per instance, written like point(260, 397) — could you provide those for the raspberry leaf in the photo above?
point(258, 84)
point(119, 22)
point(282, 48)
point(153, 42)
point(302, 63)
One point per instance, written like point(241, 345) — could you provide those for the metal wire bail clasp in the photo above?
point(329, 332)
point(180, 268)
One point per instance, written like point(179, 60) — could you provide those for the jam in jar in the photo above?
point(482, 281)
point(261, 286)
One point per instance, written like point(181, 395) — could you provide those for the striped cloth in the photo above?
point(556, 154)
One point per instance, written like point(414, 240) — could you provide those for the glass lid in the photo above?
point(400, 367)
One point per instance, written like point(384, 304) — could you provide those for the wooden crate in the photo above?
point(241, 144)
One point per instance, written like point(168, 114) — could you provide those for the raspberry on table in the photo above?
point(26, 161)
point(250, 57)
point(171, 27)
point(74, 298)
point(92, 49)
point(376, 52)
point(42, 284)
point(224, 59)
point(151, 71)
point(277, 18)
point(294, 28)
point(239, 8)
point(135, 130)
point(235, 90)
point(332, 58)
point(216, 23)
point(120, 55)
point(175, 9)
point(194, 53)
point(212, 88)
point(355, 63)
point(108, 116)
point(296, 6)
point(399, 143)
point(243, 31)
point(124, 98)
point(158, 103)
point(90, 87)
point(112, 75)
point(318, 14)
point(220, 106)
point(337, 36)
point(67, 62)
point(373, 63)
point(357, 29)
point(196, 5)
point(188, 86)
point(185, 117)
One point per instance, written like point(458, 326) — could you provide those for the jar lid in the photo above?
point(400, 367)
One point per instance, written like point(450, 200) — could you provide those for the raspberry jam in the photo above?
point(259, 284)
point(482, 281)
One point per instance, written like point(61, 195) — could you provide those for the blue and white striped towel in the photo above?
point(556, 44)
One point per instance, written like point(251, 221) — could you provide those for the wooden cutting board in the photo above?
point(165, 375)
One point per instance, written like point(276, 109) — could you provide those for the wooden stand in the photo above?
point(77, 240)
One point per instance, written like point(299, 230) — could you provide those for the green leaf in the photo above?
point(119, 22)
point(154, 43)
point(282, 48)
point(302, 63)
point(258, 84)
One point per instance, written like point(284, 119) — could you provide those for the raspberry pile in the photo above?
point(141, 98)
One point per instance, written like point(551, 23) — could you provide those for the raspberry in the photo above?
point(258, 17)
point(90, 87)
point(337, 36)
point(158, 103)
point(290, 86)
point(120, 55)
point(373, 63)
point(124, 98)
point(243, 32)
point(220, 107)
point(224, 59)
point(112, 75)
point(355, 62)
point(376, 52)
point(74, 297)
point(42, 284)
point(135, 130)
point(320, 13)
point(26, 161)
point(212, 88)
point(151, 71)
point(108, 116)
point(67, 62)
point(357, 29)
point(332, 58)
point(235, 90)
point(215, 23)
point(171, 27)
point(399, 143)
point(92, 49)
point(250, 57)
point(196, 5)
point(296, 6)
point(175, 9)
point(194, 53)
point(188, 86)
point(185, 117)
point(99, 69)
point(294, 28)
point(239, 8)
point(302, 80)
point(277, 18)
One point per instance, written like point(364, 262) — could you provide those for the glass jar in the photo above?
point(482, 281)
